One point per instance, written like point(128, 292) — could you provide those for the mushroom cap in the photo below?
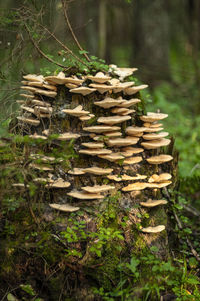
point(40, 103)
point(128, 112)
point(64, 207)
point(28, 109)
point(67, 136)
point(99, 77)
point(35, 136)
point(93, 144)
point(101, 128)
point(119, 110)
point(151, 117)
point(98, 171)
point(132, 160)
point(132, 150)
point(156, 229)
point(123, 72)
point(95, 151)
point(85, 117)
point(74, 80)
point(133, 90)
point(34, 77)
point(27, 95)
point(153, 203)
point(40, 167)
point(153, 125)
point(39, 109)
point(113, 134)
point(56, 79)
point(108, 102)
point(110, 120)
point(121, 86)
point(102, 88)
point(153, 130)
point(82, 195)
point(119, 178)
point(122, 141)
point(112, 157)
point(29, 120)
point(129, 103)
point(97, 188)
point(159, 159)
point(76, 112)
point(77, 171)
point(159, 185)
point(135, 186)
point(59, 183)
point(132, 130)
point(82, 90)
point(156, 143)
point(160, 178)
point(71, 86)
point(40, 91)
point(155, 136)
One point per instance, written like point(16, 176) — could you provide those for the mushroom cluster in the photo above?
point(113, 142)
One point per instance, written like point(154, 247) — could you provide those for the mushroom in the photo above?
point(77, 171)
point(59, 183)
point(108, 102)
point(82, 90)
point(132, 150)
point(153, 203)
point(36, 136)
point(119, 178)
point(27, 95)
point(128, 112)
point(102, 88)
point(99, 77)
point(119, 110)
point(67, 136)
point(159, 159)
point(82, 195)
point(133, 90)
point(113, 134)
point(133, 160)
point(64, 207)
point(151, 117)
point(28, 109)
point(129, 103)
point(121, 86)
point(73, 80)
point(34, 77)
point(155, 136)
point(153, 130)
point(85, 117)
point(110, 120)
point(77, 112)
point(156, 143)
point(31, 121)
point(122, 72)
point(101, 128)
point(130, 130)
point(153, 125)
point(39, 109)
point(159, 178)
point(40, 103)
point(156, 229)
point(40, 91)
point(71, 86)
point(98, 171)
point(135, 186)
point(112, 157)
point(20, 185)
point(40, 167)
point(97, 188)
point(122, 141)
point(93, 144)
point(56, 79)
point(159, 185)
point(95, 151)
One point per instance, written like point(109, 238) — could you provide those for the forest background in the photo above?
point(161, 38)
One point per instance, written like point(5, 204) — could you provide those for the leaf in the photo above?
point(11, 297)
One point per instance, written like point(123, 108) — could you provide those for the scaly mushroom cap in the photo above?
point(64, 207)
point(151, 117)
point(153, 203)
point(112, 157)
point(133, 90)
point(95, 151)
point(119, 178)
point(31, 121)
point(98, 171)
point(82, 195)
point(101, 128)
point(34, 77)
point(110, 120)
point(129, 103)
point(93, 144)
point(108, 102)
point(159, 159)
point(155, 136)
point(156, 143)
point(122, 141)
point(100, 78)
point(97, 188)
point(67, 136)
point(130, 130)
point(82, 90)
point(135, 186)
point(160, 178)
point(156, 229)
point(77, 171)
point(132, 160)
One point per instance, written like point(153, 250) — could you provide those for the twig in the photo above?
point(71, 30)
point(192, 210)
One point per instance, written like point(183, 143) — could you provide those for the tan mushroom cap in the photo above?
point(71, 86)
point(114, 81)
point(132, 160)
point(67, 136)
point(102, 88)
point(34, 77)
point(101, 128)
point(112, 157)
point(113, 134)
point(132, 150)
point(125, 177)
point(28, 109)
point(99, 77)
point(82, 195)
point(40, 167)
point(27, 95)
point(82, 90)
point(155, 136)
point(111, 120)
point(119, 110)
point(156, 229)
point(95, 151)
point(108, 102)
point(151, 117)
point(121, 86)
point(159, 159)
point(93, 144)
point(85, 118)
point(43, 158)
point(156, 143)
point(98, 171)
point(35, 136)
point(153, 130)
point(133, 130)
point(40, 103)
point(159, 185)
point(22, 102)
point(133, 90)
point(40, 109)
point(40, 85)
point(160, 178)
point(153, 125)
point(56, 79)
point(77, 171)
point(122, 141)
point(128, 112)
point(40, 91)
point(129, 103)
point(97, 188)
point(73, 80)
point(31, 121)
point(78, 111)
point(153, 203)
point(123, 72)
point(64, 207)
point(59, 183)
point(46, 132)
point(20, 185)
point(135, 186)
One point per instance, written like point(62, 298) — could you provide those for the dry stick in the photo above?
point(71, 30)
point(41, 52)
point(64, 46)
point(194, 252)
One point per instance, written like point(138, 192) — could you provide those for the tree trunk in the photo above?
point(62, 254)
